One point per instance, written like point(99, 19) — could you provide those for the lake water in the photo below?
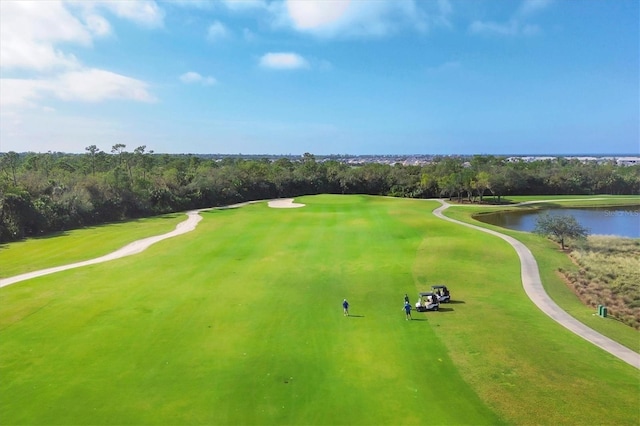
point(621, 221)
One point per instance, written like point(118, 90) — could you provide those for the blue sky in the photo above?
point(326, 77)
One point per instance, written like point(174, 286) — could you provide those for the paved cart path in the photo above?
point(193, 217)
point(533, 288)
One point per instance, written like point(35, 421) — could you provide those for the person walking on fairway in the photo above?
point(407, 310)
point(406, 298)
point(345, 307)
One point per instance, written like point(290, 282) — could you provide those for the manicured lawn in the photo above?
point(66, 247)
point(239, 322)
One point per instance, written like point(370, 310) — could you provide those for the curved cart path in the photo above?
point(533, 287)
point(193, 217)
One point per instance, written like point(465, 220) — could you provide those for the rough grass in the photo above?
point(609, 275)
point(239, 322)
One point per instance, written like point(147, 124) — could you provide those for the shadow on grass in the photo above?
point(419, 319)
point(445, 309)
point(356, 316)
point(454, 302)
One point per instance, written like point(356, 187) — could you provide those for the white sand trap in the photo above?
point(284, 203)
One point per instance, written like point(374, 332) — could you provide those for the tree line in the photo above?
point(41, 193)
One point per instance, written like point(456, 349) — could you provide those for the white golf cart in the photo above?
point(428, 302)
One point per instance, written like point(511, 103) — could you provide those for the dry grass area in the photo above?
point(608, 274)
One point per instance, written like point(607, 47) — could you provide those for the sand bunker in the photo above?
point(284, 203)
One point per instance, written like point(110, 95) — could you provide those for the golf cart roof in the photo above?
point(438, 286)
point(426, 293)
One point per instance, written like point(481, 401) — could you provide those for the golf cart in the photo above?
point(443, 293)
point(428, 302)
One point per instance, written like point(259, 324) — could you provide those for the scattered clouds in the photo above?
point(192, 77)
point(142, 12)
point(217, 31)
point(34, 36)
point(517, 25)
point(283, 61)
point(30, 32)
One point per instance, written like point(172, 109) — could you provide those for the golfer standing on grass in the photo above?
point(345, 307)
point(407, 310)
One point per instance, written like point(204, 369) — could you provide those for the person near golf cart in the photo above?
point(407, 310)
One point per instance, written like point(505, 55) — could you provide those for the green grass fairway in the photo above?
point(240, 322)
point(67, 247)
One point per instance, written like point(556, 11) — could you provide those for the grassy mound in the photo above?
point(240, 322)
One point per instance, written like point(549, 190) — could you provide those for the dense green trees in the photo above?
point(46, 192)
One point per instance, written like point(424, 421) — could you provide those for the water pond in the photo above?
point(620, 221)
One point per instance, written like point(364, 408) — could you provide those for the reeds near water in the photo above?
point(608, 274)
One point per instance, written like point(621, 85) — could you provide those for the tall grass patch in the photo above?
point(609, 275)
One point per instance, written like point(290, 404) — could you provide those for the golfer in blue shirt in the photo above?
point(345, 307)
point(407, 310)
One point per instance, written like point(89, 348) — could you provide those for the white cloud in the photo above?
point(95, 85)
point(30, 30)
point(313, 14)
point(517, 25)
point(98, 25)
point(32, 33)
point(283, 61)
point(86, 85)
point(146, 13)
point(20, 93)
point(347, 18)
point(217, 30)
point(194, 77)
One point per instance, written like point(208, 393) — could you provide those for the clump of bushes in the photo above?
point(608, 274)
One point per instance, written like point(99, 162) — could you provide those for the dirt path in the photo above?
point(533, 288)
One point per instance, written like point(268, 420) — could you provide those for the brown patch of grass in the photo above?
point(608, 274)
